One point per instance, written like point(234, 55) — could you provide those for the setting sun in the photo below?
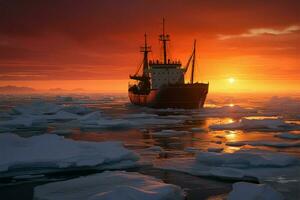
point(231, 80)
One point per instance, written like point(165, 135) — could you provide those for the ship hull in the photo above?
point(187, 96)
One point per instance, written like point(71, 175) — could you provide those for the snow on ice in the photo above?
point(52, 151)
point(244, 165)
point(110, 185)
point(250, 191)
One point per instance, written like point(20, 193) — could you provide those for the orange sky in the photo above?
point(94, 45)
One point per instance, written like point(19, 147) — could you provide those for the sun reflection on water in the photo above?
point(231, 149)
point(229, 121)
point(231, 136)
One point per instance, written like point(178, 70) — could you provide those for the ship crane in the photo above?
point(191, 61)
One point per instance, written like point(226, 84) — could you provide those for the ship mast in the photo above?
point(145, 49)
point(164, 38)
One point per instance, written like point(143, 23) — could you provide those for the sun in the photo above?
point(231, 80)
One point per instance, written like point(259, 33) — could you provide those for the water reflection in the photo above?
point(200, 138)
point(231, 136)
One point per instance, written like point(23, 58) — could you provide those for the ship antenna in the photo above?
point(193, 62)
point(164, 38)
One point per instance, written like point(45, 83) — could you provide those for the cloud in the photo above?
point(261, 31)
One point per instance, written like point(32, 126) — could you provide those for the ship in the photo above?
point(161, 83)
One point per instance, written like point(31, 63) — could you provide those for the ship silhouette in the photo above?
point(162, 84)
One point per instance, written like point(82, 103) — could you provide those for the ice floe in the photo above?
point(38, 114)
point(64, 98)
point(35, 121)
point(52, 151)
point(191, 149)
point(244, 165)
point(255, 124)
point(244, 159)
point(250, 191)
point(264, 143)
point(287, 135)
point(169, 133)
point(37, 108)
point(237, 166)
point(96, 121)
point(196, 129)
point(140, 115)
point(76, 109)
point(23, 121)
point(93, 116)
point(110, 185)
point(60, 115)
point(106, 123)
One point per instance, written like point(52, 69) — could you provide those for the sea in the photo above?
point(258, 128)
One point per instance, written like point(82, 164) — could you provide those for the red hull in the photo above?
point(186, 96)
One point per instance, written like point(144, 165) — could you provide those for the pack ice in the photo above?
point(110, 185)
point(37, 115)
